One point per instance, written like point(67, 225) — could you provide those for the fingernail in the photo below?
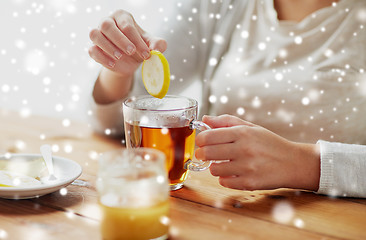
point(111, 64)
point(130, 49)
point(145, 54)
point(117, 54)
point(207, 116)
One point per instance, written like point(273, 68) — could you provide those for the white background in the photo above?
point(45, 68)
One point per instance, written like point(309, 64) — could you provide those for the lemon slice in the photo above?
point(4, 185)
point(35, 168)
point(156, 74)
point(12, 179)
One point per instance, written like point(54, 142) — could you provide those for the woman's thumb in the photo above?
point(156, 43)
point(224, 121)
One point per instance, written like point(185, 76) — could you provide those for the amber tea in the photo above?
point(169, 125)
point(177, 144)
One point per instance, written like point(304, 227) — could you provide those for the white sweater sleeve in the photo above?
point(343, 169)
point(106, 119)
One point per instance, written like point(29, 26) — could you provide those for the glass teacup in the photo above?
point(169, 125)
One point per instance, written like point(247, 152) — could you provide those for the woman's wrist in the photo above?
point(111, 87)
point(307, 166)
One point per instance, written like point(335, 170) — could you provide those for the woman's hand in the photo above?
point(120, 45)
point(255, 158)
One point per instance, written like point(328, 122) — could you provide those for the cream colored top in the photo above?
point(304, 81)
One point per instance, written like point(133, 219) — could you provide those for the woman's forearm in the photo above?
point(111, 87)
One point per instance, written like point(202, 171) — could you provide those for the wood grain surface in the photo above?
point(201, 210)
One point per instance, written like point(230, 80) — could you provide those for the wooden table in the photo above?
point(201, 210)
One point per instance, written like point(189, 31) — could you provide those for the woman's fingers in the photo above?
point(118, 35)
point(215, 152)
point(110, 29)
point(224, 169)
point(155, 43)
point(222, 135)
point(101, 57)
point(120, 38)
point(214, 136)
point(128, 27)
point(103, 43)
point(237, 182)
point(225, 121)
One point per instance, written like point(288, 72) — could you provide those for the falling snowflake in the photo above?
point(68, 148)
point(279, 76)
point(328, 53)
point(213, 62)
point(256, 102)
point(244, 34)
point(59, 107)
point(361, 15)
point(285, 115)
point(362, 85)
point(262, 46)
point(305, 101)
point(299, 223)
point(66, 122)
point(240, 111)
point(224, 99)
point(212, 99)
point(164, 131)
point(165, 220)
point(107, 131)
point(35, 61)
point(5, 88)
point(218, 39)
point(63, 191)
point(3, 234)
point(283, 53)
point(298, 40)
point(20, 44)
point(25, 112)
point(283, 212)
point(70, 214)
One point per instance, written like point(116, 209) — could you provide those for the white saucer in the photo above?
point(66, 172)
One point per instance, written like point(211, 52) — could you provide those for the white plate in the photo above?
point(66, 172)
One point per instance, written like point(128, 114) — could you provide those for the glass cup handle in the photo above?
point(198, 165)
